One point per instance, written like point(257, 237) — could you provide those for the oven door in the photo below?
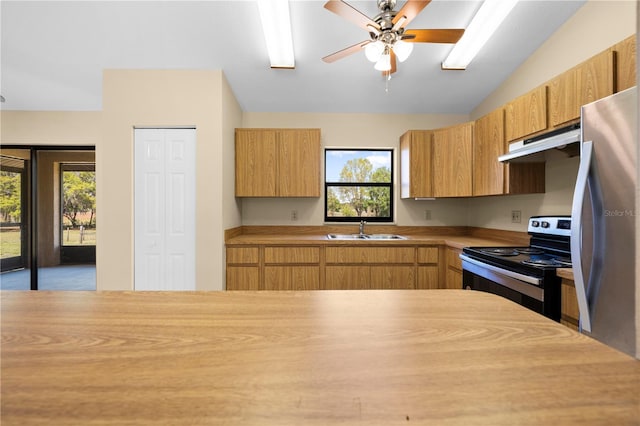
point(523, 289)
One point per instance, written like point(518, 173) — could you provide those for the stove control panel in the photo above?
point(553, 225)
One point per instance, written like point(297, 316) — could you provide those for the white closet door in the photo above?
point(165, 207)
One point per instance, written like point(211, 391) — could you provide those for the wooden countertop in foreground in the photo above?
point(389, 357)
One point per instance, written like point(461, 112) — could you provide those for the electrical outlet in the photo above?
point(515, 216)
point(427, 215)
point(294, 215)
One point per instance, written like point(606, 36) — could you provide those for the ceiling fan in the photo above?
point(388, 37)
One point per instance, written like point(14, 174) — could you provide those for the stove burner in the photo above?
point(529, 250)
point(541, 262)
point(500, 251)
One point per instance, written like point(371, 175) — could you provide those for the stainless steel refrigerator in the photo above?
point(603, 228)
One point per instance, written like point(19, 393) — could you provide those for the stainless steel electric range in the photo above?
point(525, 275)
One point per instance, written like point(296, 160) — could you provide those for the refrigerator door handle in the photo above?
point(576, 235)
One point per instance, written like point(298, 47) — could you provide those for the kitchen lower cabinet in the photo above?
point(243, 268)
point(243, 278)
point(570, 313)
point(344, 267)
point(365, 267)
point(291, 278)
point(454, 268)
point(428, 269)
point(347, 278)
point(393, 277)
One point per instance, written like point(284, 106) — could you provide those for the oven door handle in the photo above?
point(516, 275)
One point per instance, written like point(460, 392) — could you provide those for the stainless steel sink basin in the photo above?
point(347, 237)
point(385, 237)
point(365, 237)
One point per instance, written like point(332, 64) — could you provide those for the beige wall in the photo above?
point(352, 130)
point(163, 98)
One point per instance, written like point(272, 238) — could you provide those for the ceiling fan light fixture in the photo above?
point(384, 63)
point(373, 51)
point(276, 24)
point(485, 22)
point(402, 49)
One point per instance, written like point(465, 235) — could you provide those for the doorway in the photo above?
point(43, 188)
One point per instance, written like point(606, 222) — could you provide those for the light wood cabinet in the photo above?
point(243, 268)
point(582, 84)
point(488, 145)
point(277, 162)
point(292, 277)
point(491, 177)
point(428, 268)
point(370, 267)
point(452, 161)
point(454, 268)
point(625, 63)
point(416, 173)
point(526, 115)
point(570, 313)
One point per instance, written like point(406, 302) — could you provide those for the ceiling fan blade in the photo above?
point(350, 13)
point(433, 36)
point(346, 51)
point(409, 10)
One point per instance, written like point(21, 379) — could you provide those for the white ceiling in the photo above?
point(53, 53)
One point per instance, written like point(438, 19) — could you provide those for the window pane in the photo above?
point(11, 216)
point(358, 201)
point(79, 208)
point(362, 166)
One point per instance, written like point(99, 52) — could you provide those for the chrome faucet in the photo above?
point(362, 224)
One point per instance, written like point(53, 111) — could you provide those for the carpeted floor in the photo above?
point(63, 277)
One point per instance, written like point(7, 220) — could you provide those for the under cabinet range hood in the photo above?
point(533, 149)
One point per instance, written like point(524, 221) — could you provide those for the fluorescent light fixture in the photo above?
point(482, 26)
point(276, 24)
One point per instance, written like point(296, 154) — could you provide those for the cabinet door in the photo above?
point(298, 163)
point(243, 278)
point(625, 63)
point(393, 277)
point(583, 84)
point(527, 114)
point(570, 311)
point(428, 278)
point(488, 145)
point(255, 163)
point(291, 278)
point(454, 268)
point(452, 161)
point(416, 172)
point(347, 277)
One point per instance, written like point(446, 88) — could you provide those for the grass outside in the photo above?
point(10, 240)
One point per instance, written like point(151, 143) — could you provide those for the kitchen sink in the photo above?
point(365, 237)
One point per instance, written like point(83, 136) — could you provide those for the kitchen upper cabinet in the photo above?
point(452, 161)
point(625, 63)
point(582, 84)
point(416, 173)
point(491, 177)
point(278, 162)
point(489, 144)
point(526, 115)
